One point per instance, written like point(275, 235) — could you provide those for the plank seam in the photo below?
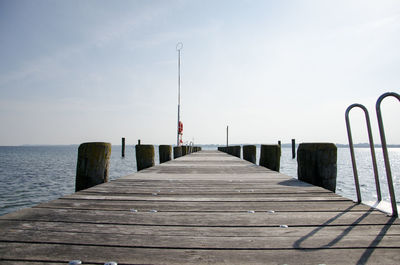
point(185, 248)
point(172, 225)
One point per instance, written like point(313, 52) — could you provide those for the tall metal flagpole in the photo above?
point(179, 47)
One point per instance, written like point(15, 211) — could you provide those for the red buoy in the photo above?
point(180, 129)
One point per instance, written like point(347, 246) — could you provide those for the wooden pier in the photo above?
point(204, 208)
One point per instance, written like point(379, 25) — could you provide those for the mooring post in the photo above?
point(92, 166)
point(164, 152)
point(138, 142)
point(233, 150)
point(185, 150)
point(270, 156)
point(293, 148)
point(279, 143)
point(249, 153)
point(317, 164)
point(177, 151)
point(227, 134)
point(123, 147)
point(144, 156)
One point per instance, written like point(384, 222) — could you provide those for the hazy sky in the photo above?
point(78, 71)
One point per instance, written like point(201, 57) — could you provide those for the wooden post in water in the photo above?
point(92, 166)
point(123, 147)
point(249, 153)
point(138, 142)
point(164, 152)
point(144, 156)
point(279, 143)
point(270, 156)
point(317, 164)
point(185, 150)
point(177, 151)
point(227, 134)
point(293, 148)
point(234, 150)
point(229, 150)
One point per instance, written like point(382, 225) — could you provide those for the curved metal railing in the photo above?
point(385, 151)
point(372, 147)
point(371, 144)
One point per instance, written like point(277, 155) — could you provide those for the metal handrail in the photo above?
point(385, 151)
point(371, 145)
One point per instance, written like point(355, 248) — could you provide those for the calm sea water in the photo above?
point(33, 174)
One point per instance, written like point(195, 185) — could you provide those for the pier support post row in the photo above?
point(164, 152)
point(92, 166)
point(144, 156)
point(249, 153)
point(317, 164)
point(270, 156)
point(177, 151)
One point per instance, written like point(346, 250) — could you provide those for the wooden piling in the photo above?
point(249, 153)
point(185, 150)
point(270, 156)
point(123, 147)
point(144, 156)
point(234, 150)
point(317, 164)
point(92, 165)
point(177, 151)
point(293, 148)
point(227, 134)
point(164, 152)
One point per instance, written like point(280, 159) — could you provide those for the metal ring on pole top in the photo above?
point(179, 46)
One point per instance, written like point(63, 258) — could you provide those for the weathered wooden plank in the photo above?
point(313, 241)
point(311, 206)
point(272, 177)
point(364, 230)
point(196, 194)
point(202, 188)
point(19, 262)
point(201, 219)
point(199, 198)
point(124, 255)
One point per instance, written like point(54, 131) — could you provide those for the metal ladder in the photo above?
point(371, 145)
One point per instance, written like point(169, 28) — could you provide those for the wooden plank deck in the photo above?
point(203, 208)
